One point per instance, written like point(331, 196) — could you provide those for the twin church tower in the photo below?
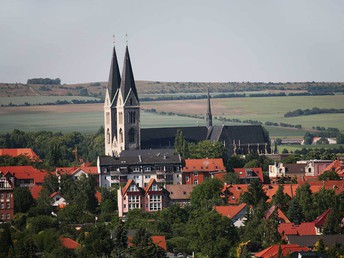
point(121, 109)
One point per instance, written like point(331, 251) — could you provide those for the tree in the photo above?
point(23, 199)
point(98, 241)
point(328, 175)
point(304, 199)
point(5, 240)
point(280, 200)
point(120, 241)
point(231, 178)
point(207, 194)
point(180, 143)
point(295, 211)
point(212, 234)
point(308, 138)
point(208, 149)
point(254, 194)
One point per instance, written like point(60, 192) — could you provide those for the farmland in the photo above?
point(89, 117)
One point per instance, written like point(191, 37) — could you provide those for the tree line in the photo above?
point(313, 111)
point(46, 81)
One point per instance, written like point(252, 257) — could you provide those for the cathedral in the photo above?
point(123, 131)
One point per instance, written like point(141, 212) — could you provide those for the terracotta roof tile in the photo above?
point(245, 173)
point(206, 165)
point(230, 211)
point(160, 241)
point(20, 151)
point(180, 192)
point(69, 243)
point(25, 172)
point(303, 229)
point(272, 251)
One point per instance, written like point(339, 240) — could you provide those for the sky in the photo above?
point(173, 40)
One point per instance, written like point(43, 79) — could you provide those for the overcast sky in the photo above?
point(173, 40)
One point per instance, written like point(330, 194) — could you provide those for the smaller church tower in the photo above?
point(128, 111)
point(110, 112)
point(208, 115)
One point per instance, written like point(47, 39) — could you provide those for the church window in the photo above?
point(131, 135)
point(107, 117)
point(120, 135)
point(108, 136)
point(120, 117)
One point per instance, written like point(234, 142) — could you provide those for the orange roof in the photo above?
point(234, 192)
point(320, 220)
point(303, 229)
point(69, 243)
point(149, 185)
point(230, 211)
point(206, 165)
point(244, 173)
point(99, 197)
point(92, 170)
point(272, 251)
point(25, 172)
point(336, 165)
point(289, 189)
point(219, 175)
point(125, 188)
point(35, 190)
point(280, 214)
point(160, 241)
point(28, 152)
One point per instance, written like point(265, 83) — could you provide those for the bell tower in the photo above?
point(110, 112)
point(128, 111)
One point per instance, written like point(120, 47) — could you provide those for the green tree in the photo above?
point(254, 194)
point(98, 241)
point(308, 138)
point(207, 194)
point(120, 241)
point(23, 199)
point(208, 149)
point(280, 199)
point(304, 198)
point(328, 175)
point(295, 211)
point(5, 240)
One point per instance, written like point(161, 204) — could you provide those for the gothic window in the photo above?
point(131, 135)
point(120, 117)
point(131, 117)
point(108, 136)
point(107, 117)
point(120, 135)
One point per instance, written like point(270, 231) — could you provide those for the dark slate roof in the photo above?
point(247, 134)
point(128, 81)
point(114, 77)
point(309, 241)
point(141, 157)
point(165, 137)
point(295, 168)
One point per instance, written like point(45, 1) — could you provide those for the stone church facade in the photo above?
point(122, 122)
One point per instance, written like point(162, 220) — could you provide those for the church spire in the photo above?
point(128, 82)
point(114, 77)
point(208, 115)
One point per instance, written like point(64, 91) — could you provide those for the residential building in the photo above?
point(336, 166)
point(141, 166)
point(6, 199)
point(195, 171)
point(235, 212)
point(150, 198)
point(246, 175)
point(57, 200)
point(15, 152)
point(179, 194)
point(272, 251)
point(233, 192)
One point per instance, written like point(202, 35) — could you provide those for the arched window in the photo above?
point(120, 118)
point(108, 136)
point(120, 135)
point(131, 135)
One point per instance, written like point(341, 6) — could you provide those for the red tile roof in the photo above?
point(234, 192)
point(35, 190)
point(125, 188)
point(207, 165)
point(25, 172)
point(320, 220)
point(230, 211)
point(244, 173)
point(303, 229)
point(91, 170)
point(69, 243)
point(272, 251)
point(280, 214)
point(289, 189)
point(28, 152)
point(335, 165)
point(160, 241)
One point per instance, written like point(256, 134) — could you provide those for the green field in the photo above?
point(89, 117)
point(34, 100)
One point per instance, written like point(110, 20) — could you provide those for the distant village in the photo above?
point(203, 191)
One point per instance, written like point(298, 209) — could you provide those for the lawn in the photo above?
point(34, 100)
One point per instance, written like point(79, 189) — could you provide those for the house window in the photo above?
point(155, 202)
point(147, 169)
point(187, 178)
point(2, 205)
point(2, 196)
point(8, 205)
point(155, 187)
point(108, 136)
point(133, 202)
point(147, 176)
point(8, 216)
point(195, 182)
point(2, 216)
point(120, 135)
point(132, 188)
point(114, 177)
point(136, 169)
point(120, 118)
point(196, 173)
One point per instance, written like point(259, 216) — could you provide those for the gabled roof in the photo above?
point(160, 241)
point(69, 243)
point(126, 187)
point(149, 185)
point(303, 229)
point(91, 170)
point(234, 192)
point(206, 165)
point(280, 214)
point(28, 152)
point(230, 211)
point(320, 220)
point(54, 194)
point(289, 189)
point(249, 173)
point(35, 190)
point(6, 184)
point(127, 82)
point(246, 134)
point(272, 251)
point(180, 192)
point(25, 172)
point(114, 77)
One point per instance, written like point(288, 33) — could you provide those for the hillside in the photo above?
point(97, 89)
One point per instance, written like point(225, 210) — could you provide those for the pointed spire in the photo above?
point(114, 77)
point(128, 81)
point(208, 115)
